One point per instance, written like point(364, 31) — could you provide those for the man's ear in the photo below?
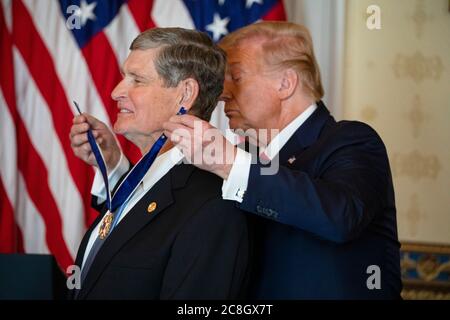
point(288, 84)
point(189, 92)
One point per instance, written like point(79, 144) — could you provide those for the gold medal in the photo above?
point(106, 225)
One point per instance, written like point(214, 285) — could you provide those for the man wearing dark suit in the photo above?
point(325, 213)
point(174, 237)
point(193, 245)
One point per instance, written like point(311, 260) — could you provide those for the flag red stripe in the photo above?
point(36, 177)
point(19, 240)
point(276, 13)
point(106, 75)
point(7, 224)
point(8, 227)
point(141, 11)
point(103, 66)
point(10, 235)
point(42, 69)
point(31, 165)
point(7, 73)
point(105, 71)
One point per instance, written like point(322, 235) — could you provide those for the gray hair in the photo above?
point(187, 54)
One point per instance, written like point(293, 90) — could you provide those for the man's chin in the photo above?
point(237, 125)
point(234, 123)
point(119, 128)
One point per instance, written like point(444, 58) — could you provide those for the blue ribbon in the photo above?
point(134, 177)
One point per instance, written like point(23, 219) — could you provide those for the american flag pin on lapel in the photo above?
point(292, 159)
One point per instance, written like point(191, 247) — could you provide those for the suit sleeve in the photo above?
point(350, 185)
point(209, 259)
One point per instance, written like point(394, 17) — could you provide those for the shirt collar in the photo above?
point(284, 135)
point(162, 164)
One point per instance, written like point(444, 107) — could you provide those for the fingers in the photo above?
point(94, 122)
point(177, 136)
point(82, 151)
point(170, 127)
point(85, 153)
point(91, 159)
point(79, 128)
point(79, 119)
point(188, 120)
point(77, 139)
point(185, 122)
point(178, 131)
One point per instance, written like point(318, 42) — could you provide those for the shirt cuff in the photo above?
point(235, 186)
point(98, 186)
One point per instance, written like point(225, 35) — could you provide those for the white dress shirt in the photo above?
point(235, 186)
point(160, 167)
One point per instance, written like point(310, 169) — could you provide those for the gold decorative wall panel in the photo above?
point(397, 79)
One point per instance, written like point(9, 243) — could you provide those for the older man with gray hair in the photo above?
point(166, 233)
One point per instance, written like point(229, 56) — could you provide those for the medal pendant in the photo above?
point(106, 225)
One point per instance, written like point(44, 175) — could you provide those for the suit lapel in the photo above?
point(73, 294)
point(306, 135)
point(84, 242)
point(135, 220)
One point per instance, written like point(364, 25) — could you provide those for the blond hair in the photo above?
point(284, 45)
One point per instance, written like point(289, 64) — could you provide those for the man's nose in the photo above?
point(226, 93)
point(119, 91)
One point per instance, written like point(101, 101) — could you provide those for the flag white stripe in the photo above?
point(120, 32)
point(70, 64)
point(171, 14)
point(26, 216)
point(7, 9)
point(38, 121)
point(30, 222)
point(8, 152)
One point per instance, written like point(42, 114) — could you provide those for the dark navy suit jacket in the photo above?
point(328, 215)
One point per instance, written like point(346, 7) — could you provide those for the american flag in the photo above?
point(53, 52)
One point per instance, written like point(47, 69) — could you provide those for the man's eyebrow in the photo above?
point(132, 73)
point(136, 75)
point(236, 67)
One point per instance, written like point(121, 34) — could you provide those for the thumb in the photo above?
point(94, 123)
